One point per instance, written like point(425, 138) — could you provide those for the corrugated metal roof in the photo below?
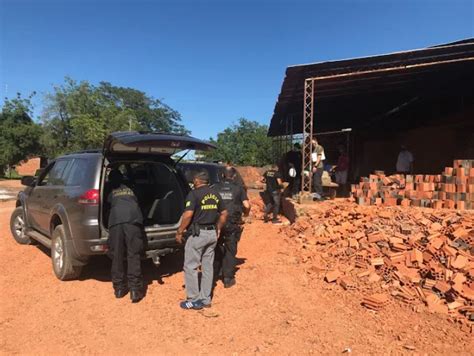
point(347, 101)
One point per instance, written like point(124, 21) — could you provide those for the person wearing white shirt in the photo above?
point(317, 159)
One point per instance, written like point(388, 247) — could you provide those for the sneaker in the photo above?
point(229, 282)
point(187, 304)
point(276, 221)
point(266, 219)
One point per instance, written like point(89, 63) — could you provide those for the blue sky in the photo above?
point(213, 61)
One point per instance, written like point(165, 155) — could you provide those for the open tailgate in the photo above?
point(149, 143)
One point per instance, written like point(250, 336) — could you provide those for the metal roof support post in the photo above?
point(307, 147)
point(291, 132)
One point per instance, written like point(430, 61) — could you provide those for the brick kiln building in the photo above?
point(421, 98)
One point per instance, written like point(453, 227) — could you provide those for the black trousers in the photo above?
point(294, 185)
point(126, 240)
point(273, 204)
point(318, 181)
point(226, 251)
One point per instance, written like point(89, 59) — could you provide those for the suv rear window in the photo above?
point(76, 172)
point(55, 176)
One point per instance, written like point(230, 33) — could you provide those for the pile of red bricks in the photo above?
point(252, 176)
point(28, 167)
point(453, 189)
point(416, 256)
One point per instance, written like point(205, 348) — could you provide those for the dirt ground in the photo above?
point(276, 308)
point(9, 189)
point(10, 184)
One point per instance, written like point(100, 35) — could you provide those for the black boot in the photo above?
point(120, 292)
point(229, 282)
point(136, 295)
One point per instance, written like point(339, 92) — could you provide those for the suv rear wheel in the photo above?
point(62, 262)
point(17, 227)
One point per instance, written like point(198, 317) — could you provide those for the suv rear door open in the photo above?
point(145, 161)
point(133, 142)
point(124, 150)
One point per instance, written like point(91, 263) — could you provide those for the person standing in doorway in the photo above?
point(342, 168)
point(317, 159)
point(405, 161)
point(273, 180)
point(204, 216)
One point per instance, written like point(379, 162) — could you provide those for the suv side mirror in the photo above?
point(29, 181)
point(38, 172)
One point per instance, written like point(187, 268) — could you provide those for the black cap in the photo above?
point(202, 176)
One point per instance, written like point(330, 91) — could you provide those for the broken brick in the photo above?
point(441, 286)
point(332, 276)
point(459, 262)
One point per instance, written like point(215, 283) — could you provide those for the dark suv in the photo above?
point(65, 207)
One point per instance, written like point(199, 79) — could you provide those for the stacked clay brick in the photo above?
point(453, 189)
point(415, 256)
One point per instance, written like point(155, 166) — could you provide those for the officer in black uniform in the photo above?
point(125, 238)
point(204, 215)
point(273, 180)
point(237, 178)
point(236, 202)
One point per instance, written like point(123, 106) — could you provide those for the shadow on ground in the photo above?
point(98, 268)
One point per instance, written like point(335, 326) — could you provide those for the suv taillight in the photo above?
point(91, 197)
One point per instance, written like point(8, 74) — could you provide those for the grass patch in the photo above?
point(11, 175)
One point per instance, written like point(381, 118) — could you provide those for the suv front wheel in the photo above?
point(17, 227)
point(62, 262)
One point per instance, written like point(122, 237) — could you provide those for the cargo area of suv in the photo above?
point(65, 208)
point(159, 191)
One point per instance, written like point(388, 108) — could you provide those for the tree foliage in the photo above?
point(244, 143)
point(79, 115)
point(19, 135)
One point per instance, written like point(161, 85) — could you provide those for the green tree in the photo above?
point(19, 135)
point(244, 143)
point(79, 115)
